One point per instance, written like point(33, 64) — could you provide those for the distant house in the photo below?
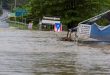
point(47, 23)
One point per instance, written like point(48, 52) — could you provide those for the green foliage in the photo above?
point(103, 22)
point(68, 10)
point(10, 4)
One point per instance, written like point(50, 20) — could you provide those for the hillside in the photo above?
point(10, 4)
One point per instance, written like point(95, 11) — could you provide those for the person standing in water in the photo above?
point(72, 27)
point(30, 25)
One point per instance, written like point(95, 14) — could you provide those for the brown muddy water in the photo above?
point(24, 52)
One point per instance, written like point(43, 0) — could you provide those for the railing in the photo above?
point(16, 22)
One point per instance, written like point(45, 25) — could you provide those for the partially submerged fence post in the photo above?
point(40, 27)
point(76, 38)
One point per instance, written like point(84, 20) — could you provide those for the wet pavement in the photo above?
point(25, 52)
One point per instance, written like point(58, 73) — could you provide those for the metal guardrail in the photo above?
point(16, 22)
point(94, 18)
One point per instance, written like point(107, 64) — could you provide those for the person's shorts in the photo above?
point(73, 29)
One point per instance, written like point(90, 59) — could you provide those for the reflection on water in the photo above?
point(56, 64)
point(37, 63)
point(96, 42)
point(41, 53)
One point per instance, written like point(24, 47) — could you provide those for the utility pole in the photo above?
point(15, 4)
point(1, 5)
point(15, 11)
point(1, 8)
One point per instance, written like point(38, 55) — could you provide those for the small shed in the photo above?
point(48, 23)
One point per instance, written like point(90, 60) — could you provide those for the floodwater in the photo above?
point(34, 53)
point(25, 52)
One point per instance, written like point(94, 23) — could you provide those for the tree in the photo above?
point(68, 10)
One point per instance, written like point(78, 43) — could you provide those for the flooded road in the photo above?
point(24, 52)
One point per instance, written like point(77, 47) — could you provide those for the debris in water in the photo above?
point(66, 39)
